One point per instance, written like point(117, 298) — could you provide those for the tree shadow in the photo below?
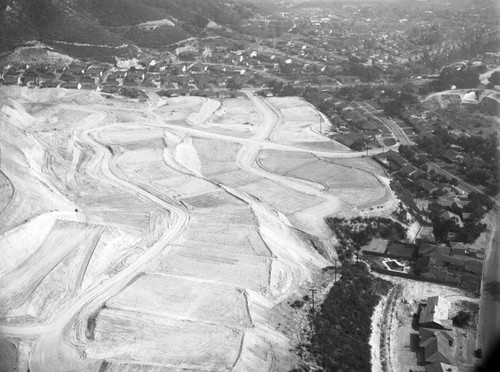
point(493, 288)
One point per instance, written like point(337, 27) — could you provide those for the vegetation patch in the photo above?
point(467, 232)
point(355, 233)
point(341, 327)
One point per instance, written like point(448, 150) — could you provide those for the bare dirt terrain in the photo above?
point(163, 235)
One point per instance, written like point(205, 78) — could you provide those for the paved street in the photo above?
point(489, 311)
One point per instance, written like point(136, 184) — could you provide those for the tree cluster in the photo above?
point(358, 232)
point(132, 92)
point(342, 325)
point(495, 78)
point(481, 158)
point(470, 230)
point(464, 78)
point(233, 84)
point(365, 73)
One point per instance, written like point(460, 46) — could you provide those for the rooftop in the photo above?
point(437, 345)
point(435, 311)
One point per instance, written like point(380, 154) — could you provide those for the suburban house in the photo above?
point(411, 172)
point(391, 160)
point(427, 186)
point(440, 367)
point(109, 89)
point(447, 215)
point(462, 263)
point(458, 248)
point(402, 250)
point(396, 160)
point(437, 345)
point(451, 156)
point(443, 264)
point(426, 235)
point(434, 313)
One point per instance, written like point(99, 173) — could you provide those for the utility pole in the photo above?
point(313, 291)
point(335, 262)
point(323, 359)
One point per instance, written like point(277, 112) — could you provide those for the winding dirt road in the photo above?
point(51, 352)
point(60, 343)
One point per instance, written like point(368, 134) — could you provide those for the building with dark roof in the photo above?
point(447, 215)
point(450, 156)
point(402, 250)
point(437, 345)
point(411, 172)
point(391, 160)
point(397, 160)
point(458, 248)
point(426, 186)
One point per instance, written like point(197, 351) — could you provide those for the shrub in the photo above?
point(297, 304)
point(461, 319)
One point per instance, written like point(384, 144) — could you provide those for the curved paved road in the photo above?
point(489, 308)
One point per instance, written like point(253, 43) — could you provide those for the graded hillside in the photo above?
point(144, 236)
point(300, 124)
point(37, 54)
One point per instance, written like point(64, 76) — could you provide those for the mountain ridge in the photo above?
point(114, 22)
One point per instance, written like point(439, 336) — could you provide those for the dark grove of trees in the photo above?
point(464, 78)
point(233, 84)
point(486, 173)
point(470, 230)
point(342, 325)
point(365, 73)
point(278, 88)
point(495, 78)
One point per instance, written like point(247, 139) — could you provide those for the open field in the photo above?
point(239, 116)
point(163, 235)
point(171, 296)
point(157, 340)
point(177, 109)
point(300, 124)
point(358, 187)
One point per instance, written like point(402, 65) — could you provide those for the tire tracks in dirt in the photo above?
point(52, 351)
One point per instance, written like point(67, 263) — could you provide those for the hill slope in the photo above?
point(113, 22)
